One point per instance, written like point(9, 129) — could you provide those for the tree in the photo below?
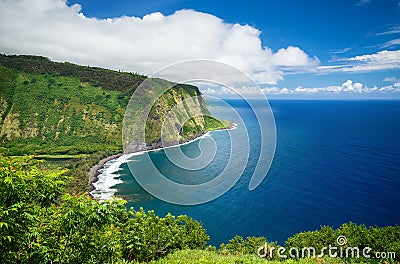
point(39, 225)
point(25, 190)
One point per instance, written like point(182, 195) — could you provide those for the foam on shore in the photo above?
point(108, 176)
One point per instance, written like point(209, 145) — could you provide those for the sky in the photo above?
point(291, 49)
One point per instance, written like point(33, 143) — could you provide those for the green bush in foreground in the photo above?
point(38, 225)
point(240, 246)
point(25, 192)
point(378, 239)
point(149, 236)
point(346, 242)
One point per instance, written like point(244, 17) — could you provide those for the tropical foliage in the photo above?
point(350, 235)
point(39, 225)
point(124, 82)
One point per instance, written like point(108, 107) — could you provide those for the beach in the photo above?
point(94, 171)
point(110, 168)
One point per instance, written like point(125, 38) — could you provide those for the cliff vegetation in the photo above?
point(72, 115)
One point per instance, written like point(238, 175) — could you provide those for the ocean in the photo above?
point(335, 162)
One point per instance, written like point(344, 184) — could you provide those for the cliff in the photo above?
point(62, 108)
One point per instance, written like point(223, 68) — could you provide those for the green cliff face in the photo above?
point(190, 107)
point(62, 108)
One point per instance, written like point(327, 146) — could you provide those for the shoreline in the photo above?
point(94, 171)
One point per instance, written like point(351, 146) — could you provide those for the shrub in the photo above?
point(37, 225)
point(379, 239)
point(149, 237)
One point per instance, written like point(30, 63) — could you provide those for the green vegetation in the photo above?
point(188, 108)
point(110, 80)
point(71, 115)
point(61, 157)
point(214, 257)
point(59, 115)
point(212, 123)
point(206, 256)
point(40, 225)
point(379, 239)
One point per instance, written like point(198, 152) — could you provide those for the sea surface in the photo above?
point(335, 162)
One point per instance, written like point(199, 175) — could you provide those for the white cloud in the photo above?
point(391, 88)
point(391, 43)
point(388, 88)
point(293, 56)
point(383, 60)
point(392, 30)
point(381, 57)
point(271, 90)
point(348, 87)
point(340, 51)
point(54, 29)
point(225, 90)
point(391, 79)
point(210, 91)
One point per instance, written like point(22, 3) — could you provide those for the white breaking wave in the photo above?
point(109, 177)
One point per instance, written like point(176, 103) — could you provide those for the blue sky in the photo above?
point(315, 46)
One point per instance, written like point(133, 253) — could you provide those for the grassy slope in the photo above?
point(107, 79)
point(62, 112)
point(60, 115)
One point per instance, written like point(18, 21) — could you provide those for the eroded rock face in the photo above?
point(135, 147)
point(173, 112)
point(74, 107)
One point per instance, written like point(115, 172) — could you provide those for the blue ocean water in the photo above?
point(335, 162)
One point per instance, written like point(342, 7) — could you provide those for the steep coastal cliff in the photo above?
point(63, 111)
point(62, 108)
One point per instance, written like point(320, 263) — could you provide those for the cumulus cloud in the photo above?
point(293, 56)
point(61, 32)
point(383, 60)
point(391, 88)
point(381, 57)
point(347, 87)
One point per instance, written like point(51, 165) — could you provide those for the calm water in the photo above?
point(335, 162)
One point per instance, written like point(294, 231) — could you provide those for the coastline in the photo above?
point(94, 171)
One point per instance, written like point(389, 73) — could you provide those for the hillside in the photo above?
point(64, 112)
